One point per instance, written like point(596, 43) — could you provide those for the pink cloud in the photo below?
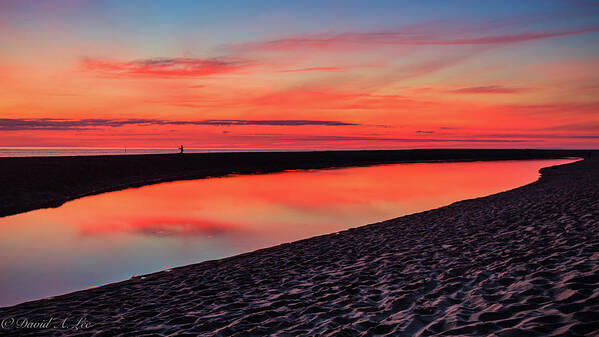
point(491, 89)
point(400, 37)
point(329, 99)
point(164, 67)
point(563, 108)
point(590, 126)
point(313, 69)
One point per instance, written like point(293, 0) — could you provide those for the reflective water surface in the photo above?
point(113, 236)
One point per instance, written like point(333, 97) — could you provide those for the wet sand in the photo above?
point(519, 263)
point(41, 182)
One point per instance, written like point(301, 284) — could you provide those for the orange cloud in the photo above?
point(563, 108)
point(491, 89)
point(313, 69)
point(326, 98)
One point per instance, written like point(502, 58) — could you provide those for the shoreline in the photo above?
point(523, 261)
point(32, 183)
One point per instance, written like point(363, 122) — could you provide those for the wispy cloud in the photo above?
point(313, 69)
point(590, 108)
point(491, 89)
point(321, 138)
point(164, 67)
point(585, 2)
point(587, 126)
point(402, 36)
point(7, 124)
point(326, 98)
point(537, 136)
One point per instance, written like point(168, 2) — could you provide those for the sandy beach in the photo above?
point(519, 263)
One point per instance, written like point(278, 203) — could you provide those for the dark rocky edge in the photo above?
point(41, 182)
point(519, 263)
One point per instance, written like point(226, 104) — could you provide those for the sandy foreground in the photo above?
point(519, 263)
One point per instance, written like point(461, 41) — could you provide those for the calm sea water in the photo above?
point(94, 151)
point(113, 236)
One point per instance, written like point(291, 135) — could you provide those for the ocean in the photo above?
point(95, 151)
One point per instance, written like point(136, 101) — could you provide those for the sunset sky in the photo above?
point(300, 75)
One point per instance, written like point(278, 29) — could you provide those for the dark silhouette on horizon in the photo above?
point(181, 149)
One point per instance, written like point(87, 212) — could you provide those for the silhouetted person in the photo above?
point(181, 149)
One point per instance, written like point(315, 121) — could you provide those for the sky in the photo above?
point(300, 74)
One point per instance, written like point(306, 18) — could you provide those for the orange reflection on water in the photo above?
point(109, 237)
point(297, 203)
